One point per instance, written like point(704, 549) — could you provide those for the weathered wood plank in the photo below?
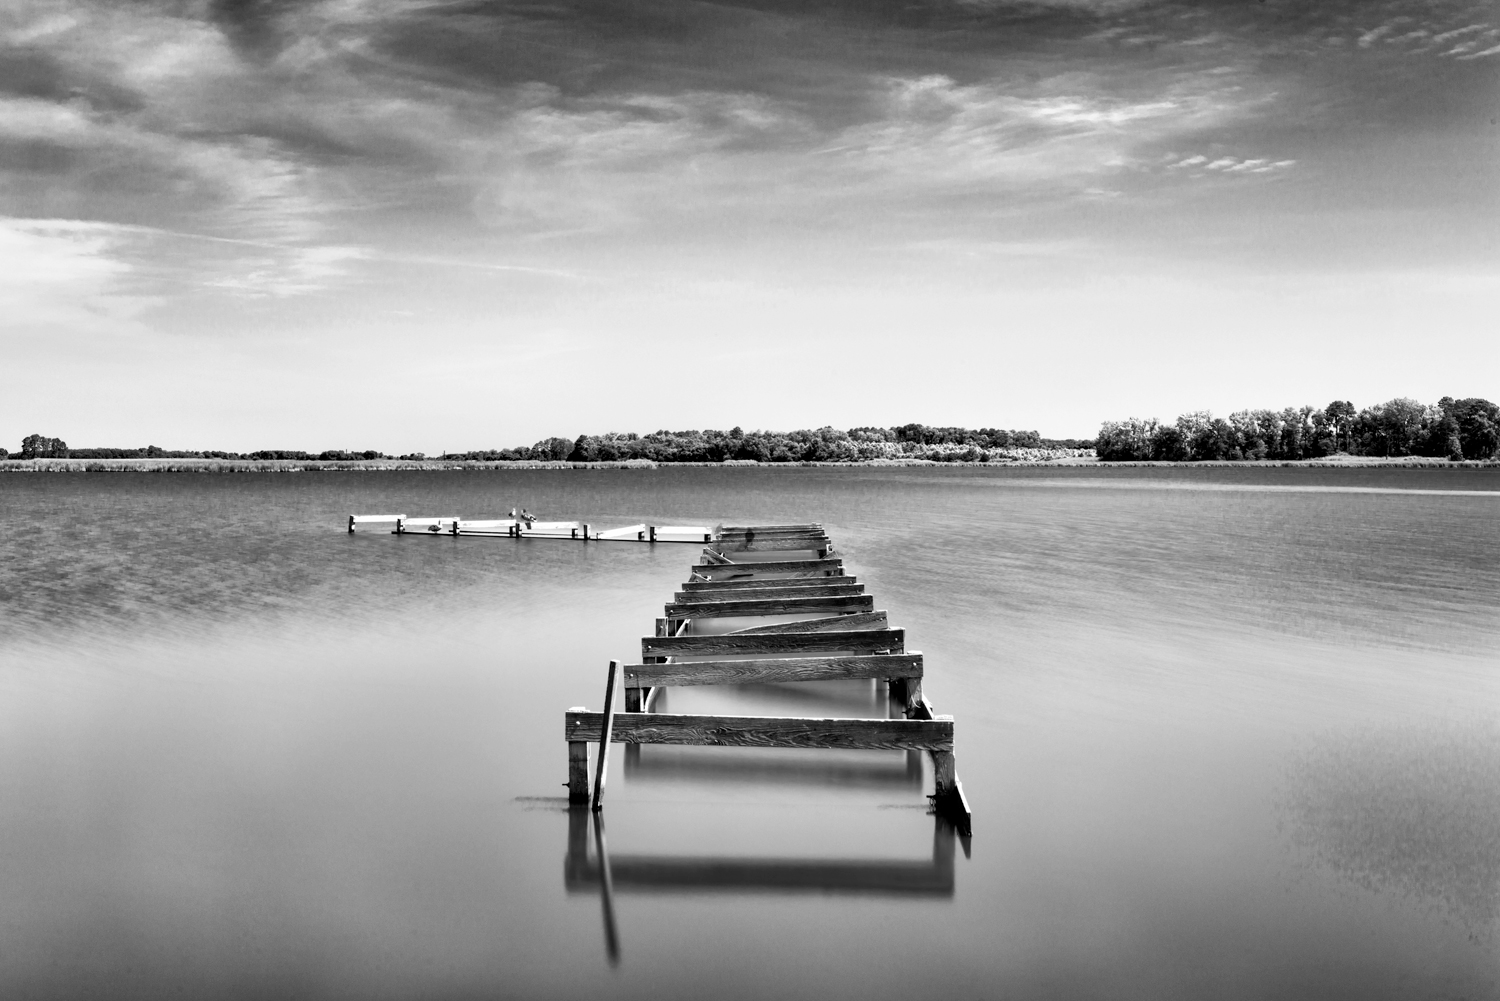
point(765, 731)
point(711, 558)
point(740, 530)
point(854, 641)
point(816, 533)
point(771, 583)
point(827, 624)
point(770, 606)
point(792, 591)
point(722, 569)
point(754, 672)
point(728, 547)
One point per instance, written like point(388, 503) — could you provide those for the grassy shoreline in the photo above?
point(389, 465)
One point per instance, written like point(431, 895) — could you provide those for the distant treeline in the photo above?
point(1452, 429)
point(40, 447)
point(909, 441)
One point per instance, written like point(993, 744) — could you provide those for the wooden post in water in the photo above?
point(605, 735)
point(585, 533)
point(578, 769)
point(351, 524)
point(652, 531)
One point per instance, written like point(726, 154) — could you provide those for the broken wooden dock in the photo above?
point(847, 639)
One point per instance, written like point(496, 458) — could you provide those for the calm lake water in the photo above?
point(1226, 733)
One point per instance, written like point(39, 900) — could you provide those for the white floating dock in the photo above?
point(720, 540)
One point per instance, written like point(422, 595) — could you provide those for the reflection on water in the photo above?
point(851, 769)
point(644, 873)
point(603, 874)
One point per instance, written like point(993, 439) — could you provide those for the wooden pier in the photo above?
point(847, 639)
point(842, 636)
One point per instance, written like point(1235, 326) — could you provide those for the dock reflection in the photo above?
point(667, 765)
point(609, 874)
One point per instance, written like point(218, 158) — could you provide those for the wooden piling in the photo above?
point(608, 725)
point(578, 769)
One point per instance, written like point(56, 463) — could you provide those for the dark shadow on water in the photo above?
point(711, 764)
point(609, 874)
point(606, 885)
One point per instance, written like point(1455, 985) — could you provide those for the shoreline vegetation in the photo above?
point(909, 442)
point(197, 465)
point(1463, 433)
point(1453, 430)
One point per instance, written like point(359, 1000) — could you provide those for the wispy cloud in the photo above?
point(1199, 165)
point(62, 272)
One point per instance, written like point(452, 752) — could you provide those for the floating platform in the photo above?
point(722, 540)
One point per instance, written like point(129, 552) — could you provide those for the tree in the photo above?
point(1396, 427)
point(1478, 426)
point(554, 449)
point(1126, 441)
point(1340, 415)
point(35, 446)
point(1169, 444)
point(1442, 439)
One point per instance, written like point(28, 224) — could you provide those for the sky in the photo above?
point(410, 225)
